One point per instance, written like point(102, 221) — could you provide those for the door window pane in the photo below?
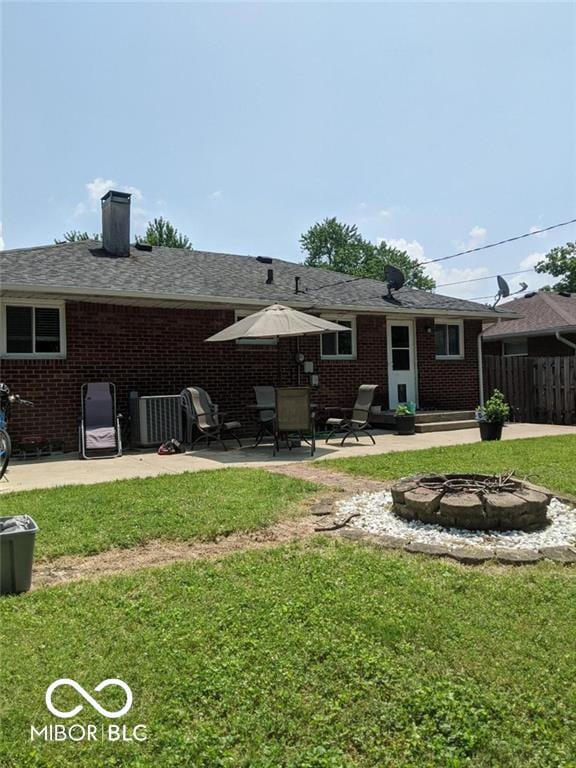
point(400, 336)
point(402, 393)
point(47, 329)
point(19, 329)
point(400, 359)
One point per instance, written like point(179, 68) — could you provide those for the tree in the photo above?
point(74, 236)
point(161, 232)
point(560, 262)
point(340, 247)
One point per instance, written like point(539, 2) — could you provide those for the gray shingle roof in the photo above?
point(172, 273)
point(541, 313)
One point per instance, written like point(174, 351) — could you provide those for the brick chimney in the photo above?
point(116, 223)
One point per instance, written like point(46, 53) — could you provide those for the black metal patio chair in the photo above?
point(199, 408)
point(358, 422)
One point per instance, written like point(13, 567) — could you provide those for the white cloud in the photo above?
point(216, 195)
point(478, 233)
point(531, 260)
point(98, 187)
point(1, 238)
point(385, 213)
point(535, 229)
point(413, 248)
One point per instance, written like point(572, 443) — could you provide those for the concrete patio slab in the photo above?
point(69, 470)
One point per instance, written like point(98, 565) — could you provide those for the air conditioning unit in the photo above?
point(154, 419)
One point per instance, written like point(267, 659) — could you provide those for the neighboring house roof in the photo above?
point(542, 313)
point(85, 269)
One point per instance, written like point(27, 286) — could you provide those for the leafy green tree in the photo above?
point(340, 247)
point(560, 262)
point(161, 232)
point(75, 236)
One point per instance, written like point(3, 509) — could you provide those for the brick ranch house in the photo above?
point(138, 316)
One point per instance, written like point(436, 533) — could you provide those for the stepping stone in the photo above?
point(390, 542)
point(353, 534)
point(560, 554)
point(517, 556)
point(420, 547)
point(471, 555)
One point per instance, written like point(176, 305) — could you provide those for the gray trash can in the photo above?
point(17, 536)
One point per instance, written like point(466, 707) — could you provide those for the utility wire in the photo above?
point(488, 277)
point(500, 242)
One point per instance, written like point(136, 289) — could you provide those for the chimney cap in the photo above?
point(116, 195)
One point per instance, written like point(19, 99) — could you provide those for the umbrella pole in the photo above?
point(298, 361)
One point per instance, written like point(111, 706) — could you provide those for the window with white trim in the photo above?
point(33, 330)
point(240, 315)
point(449, 339)
point(515, 347)
point(340, 345)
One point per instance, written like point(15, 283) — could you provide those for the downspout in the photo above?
point(481, 370)
point(565, 341)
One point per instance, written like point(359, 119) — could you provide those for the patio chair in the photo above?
point(99, 428)
point(266, 402)
point(359, 420)
point(294, 416)
point(202, 413)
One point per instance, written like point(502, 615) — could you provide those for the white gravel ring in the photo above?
point(376, 516)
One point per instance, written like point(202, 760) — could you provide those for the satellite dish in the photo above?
point(394, 278)
point(503, 288)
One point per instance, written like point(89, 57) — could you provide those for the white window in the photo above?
point(340, 345)
point(33, 330)
point(515, 347)
point(449, 339)
point(241, 314)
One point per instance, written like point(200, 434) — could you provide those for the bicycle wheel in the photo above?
point(5, 451)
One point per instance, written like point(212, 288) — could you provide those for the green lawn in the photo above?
point(548, 461)
point(323, 655)
point(85, 519)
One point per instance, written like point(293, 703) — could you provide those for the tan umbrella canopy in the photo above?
point(276, 320)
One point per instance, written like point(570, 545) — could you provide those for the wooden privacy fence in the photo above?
point(540, 389)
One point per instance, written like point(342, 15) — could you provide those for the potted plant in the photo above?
point(492, 416)
point(405, 420)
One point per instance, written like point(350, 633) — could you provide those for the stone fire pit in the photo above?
point(473, 502)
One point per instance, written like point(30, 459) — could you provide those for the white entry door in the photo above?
point(401, 362)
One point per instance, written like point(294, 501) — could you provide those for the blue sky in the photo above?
point(434, 125)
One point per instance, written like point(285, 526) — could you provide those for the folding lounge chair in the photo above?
point(99, 430)
point(294, 416)
point(205, 415)
point(359, 422)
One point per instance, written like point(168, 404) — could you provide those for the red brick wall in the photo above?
point(450, 384)
point(161, 351)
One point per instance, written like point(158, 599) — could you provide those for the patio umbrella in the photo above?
point(276, 320)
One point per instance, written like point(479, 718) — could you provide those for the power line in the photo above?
point(500, 242)
point(488, 277)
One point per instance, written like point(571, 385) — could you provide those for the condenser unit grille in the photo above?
point(159, 418)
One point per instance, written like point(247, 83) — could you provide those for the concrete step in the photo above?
point(446, 426)
point(425, 417)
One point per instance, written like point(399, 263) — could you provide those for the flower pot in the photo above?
point(405, 425)
point(490, 430)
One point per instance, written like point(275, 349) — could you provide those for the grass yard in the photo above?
point(85, 519)
point(324, 655)
point(549, 461)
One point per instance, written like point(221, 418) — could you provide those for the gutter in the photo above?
point(480, 370)
point(303, 304)
point(565, 341)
